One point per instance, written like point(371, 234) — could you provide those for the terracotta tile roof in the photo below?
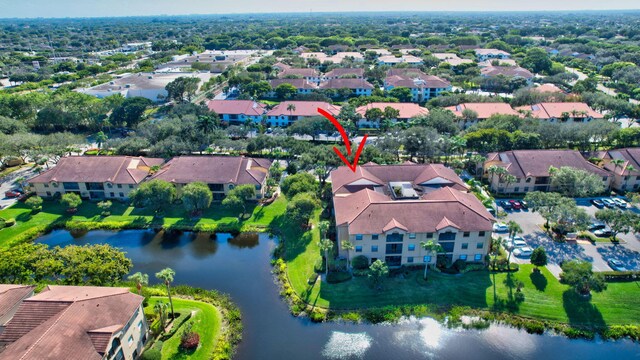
point(303, 108)
point(407, 110)
point(61, 322)
point(11, 296)
point(394, 224)
point(484, 110)
point(281, 65)
point(415, 79)
point(297, 83)
point(536, 163)
point(491, 51)
point(236, 107)
point(100, 169)
point(346, 83)
point(630, 156)
point(501, 62)
point(237, 170)
point(338, 72)
point(510, 71)
point(304, 72)
point(548, 88)
point(445, 223)
point(555, 110)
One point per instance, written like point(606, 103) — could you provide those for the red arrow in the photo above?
point(346, 141)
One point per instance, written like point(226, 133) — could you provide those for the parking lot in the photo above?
point(627, 251)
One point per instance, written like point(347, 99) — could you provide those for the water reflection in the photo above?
point(343, 345)
point(245, 241)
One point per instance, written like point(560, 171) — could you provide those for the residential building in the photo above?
point(423, 87)
point(148, 85)
point(238, 111)
point(392, 60)
point(561, 112)
point(335, 59)
point(482, 111)
point(311, 75)
point(497, 62)
point(337, 73)
point(407, 111)
point(548, 88)
point(531, 169)
point(220, 173)
point(94, 177)
point(452, 59)
point(287, 112)
point(624, 166)
point(358, 87)
point(11, 296)
point(508, 71)
point(281, 66)
point(303, 86)
point(386, 211)
point(491, 54)
point(76, 322)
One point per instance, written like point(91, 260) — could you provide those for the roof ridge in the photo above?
point(32, 346)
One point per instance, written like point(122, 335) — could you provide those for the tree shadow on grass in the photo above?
point(294, 238)
point(514, 297)
point(580, 310)
point(539, 280)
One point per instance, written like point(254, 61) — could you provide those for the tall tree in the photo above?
point(239, 197)
point(182, 87)
point(196, 197)
point(155, 194)
point(619, 221)
point(430, 247)
point(325, 246)
point(140, 279)
point(166, 276)
point(348, 246)
point(574, 182)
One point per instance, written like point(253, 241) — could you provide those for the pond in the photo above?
point(240, 267)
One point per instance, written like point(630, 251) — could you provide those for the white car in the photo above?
point(517, 242)
point(609, 203)
point(500, 227)
point(621, 203)
point(523, 252)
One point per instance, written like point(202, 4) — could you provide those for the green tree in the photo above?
point(348, 246)
point(579, 274)
point(155, 194)
point(619, 221)
point(105, 206)
point(430, 247)
point(569, 217)
point(574, 182)
point(101, 138)
point(140, 279)
point(99, 265)
point(323, 227)
point(34, 202)
point(196, 197)
point(537, 60)
point(514, 229)
point(239, 196)
point(299, 183)
point(130, 112)
point(301, 208)
point(182, 87)
point(161, 309)
point(325, 246)
point(285, 91)
point(166, 276)
point(539, 257)
point(207, 123)
point(71, 201)
point(401, 93)
point(377, 272)
point(544, 203)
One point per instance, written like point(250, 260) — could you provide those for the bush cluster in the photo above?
point(338, 277)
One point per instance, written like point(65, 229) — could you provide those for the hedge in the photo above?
point(615, 276)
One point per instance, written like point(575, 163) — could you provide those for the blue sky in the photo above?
point(96, 8)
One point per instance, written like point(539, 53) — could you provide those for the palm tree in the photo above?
point(101, 138)
point(508, 179)
point(495, 249)
point(323, 226)
point(430, 247)
point(618, 163)
point(291, 108)
point(166, 275)
point(140, 280)
point(160, 308)
point(514, 228)
point(326, 245)
point(206, 124)
point(347, 245)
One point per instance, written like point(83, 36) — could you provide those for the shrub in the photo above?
point(613, 276)
point(189, 339)
point(317, 316)
point(313, 278)
point(3, 223)
point(459, 265)
point(364, 272)
point(360, 262)
point(338, 277)
point(151, 354)
point(9, 222)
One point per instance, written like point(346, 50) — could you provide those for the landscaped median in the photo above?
point(29, 225)
point(547, 303)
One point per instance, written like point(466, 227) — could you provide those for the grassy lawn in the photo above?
point(545, 297)
point(257, 217)
point(206, 322)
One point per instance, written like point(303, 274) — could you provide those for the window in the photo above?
point(46, 185)
point(426, 258)
point(395, 237)
point(412, 247)
point(604, 178)
point(463, 257)
point(119, 186)
point(528, 180)
point(410, 259)
point(447, 246)
point(481, 233)
point(447, 236)
point(48, 193)
point(231, 186)
point(477, 257)
point(526, 188)
point(429, 235)
point(516, 189)
point(374, 237)
point(71, 186)
point(140, 325)
point(412, 235)
point(374, 248)
point(55, 185)
point(130, 186)
point(465, 246)
point(358, 248)
point(479, 245)
point(109, 185)
point(466, 234)
point(358, 236)
point(130, 341)
point(121, 194)
point(112, 194)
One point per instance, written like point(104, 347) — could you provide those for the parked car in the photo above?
point(491, 211)
point(12, 193)
point(596, 226)
point(620, 203)
point(523, 252)
point(597, 203)
point(500, 227)
point(524, 204)
point(609, 203)
point(518, 242)
point(506, 205)
point(616, 265)
point(603, 233)
point(25, 196)
point(515, 204)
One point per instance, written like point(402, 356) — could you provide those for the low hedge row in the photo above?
point(616, 276)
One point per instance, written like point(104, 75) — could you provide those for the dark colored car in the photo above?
point(24, 197)
point(597, 203)
point(524, 204)
point(603, 233)
point(12, 193)
point(515, 204)
point(596, 226)
point(506, 205)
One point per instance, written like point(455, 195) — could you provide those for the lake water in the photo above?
point(240, 267)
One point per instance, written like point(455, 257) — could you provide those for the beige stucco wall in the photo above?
point(49, 189)
point(137, 329)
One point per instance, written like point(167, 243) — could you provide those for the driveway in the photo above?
point(7, 184)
